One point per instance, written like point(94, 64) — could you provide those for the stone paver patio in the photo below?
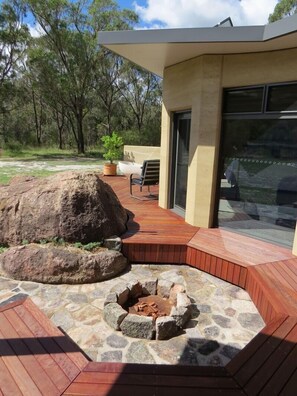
point(224, 317)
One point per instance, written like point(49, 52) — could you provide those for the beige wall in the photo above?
point(140, 153)
point(197, 85)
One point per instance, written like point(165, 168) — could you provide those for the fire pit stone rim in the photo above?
point(161, 329)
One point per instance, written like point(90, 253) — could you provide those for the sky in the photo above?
point(156, 14)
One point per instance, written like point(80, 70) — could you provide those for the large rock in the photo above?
point(50, 264)
point(75, 206)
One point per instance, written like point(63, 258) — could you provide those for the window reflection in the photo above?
point(258, 191)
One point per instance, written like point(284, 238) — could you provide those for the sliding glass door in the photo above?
point(181, 139)
point(258, 177)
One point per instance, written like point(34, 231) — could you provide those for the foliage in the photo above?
point(3, 248)
point(13, 38)
point(64, 91)
point(283, 9)
point(113, 145)
point(60, 242)
point(89, 246)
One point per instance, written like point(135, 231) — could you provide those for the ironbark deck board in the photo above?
point(27, 353)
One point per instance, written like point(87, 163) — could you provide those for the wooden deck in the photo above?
point(266, 366)
point(36, 358)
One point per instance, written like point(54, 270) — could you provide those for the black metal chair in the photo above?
point(149, 177)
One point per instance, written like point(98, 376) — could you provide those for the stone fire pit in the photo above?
point(152, 309)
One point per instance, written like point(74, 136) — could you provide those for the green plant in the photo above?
point(89, 246)
point(113, 146)
point(25, 242)
point(57, 241)
point(3, 248)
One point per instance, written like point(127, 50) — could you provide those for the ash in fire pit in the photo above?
point(151, 309)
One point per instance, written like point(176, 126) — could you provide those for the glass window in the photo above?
point(258, 180)
point(282, 98)
point(258, 177)
point(246, 100)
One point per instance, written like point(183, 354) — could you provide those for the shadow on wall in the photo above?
point(139, 154)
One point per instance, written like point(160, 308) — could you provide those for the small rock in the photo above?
point(164, 288)
point(208, 347)
point(138, 353)
point(215, 361)
point(204, 308)
point(111, 298)
point(138, 326)
point(174, 290)
point(135, 289)
point(250, 321)
point(182, 300)
point(63, 319)
point(122, 294)
point(230, 350)
point(116, 341)
point(114, 315)
point(14, 298)
point(230, 311)
point(188, 357)
point(149, 287)
point(111, 356)
point(181, 315)
point(78, 298)
point(222, 321)
point(212, 331)
point(166, 327)
point(113, 243)
point(194, 310)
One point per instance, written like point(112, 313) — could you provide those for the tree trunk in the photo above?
point(80, 132)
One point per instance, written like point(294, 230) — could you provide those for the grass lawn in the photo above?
point(45, 162)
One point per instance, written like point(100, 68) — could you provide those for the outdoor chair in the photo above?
point(149, 177)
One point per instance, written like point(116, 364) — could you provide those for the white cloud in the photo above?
point(204, 13)
point(36, 30)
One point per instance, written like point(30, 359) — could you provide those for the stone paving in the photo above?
point(224, 317)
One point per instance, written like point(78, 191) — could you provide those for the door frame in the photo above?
point(184, 114)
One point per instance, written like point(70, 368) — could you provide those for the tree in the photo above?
point(69, 50)
point(140, 90)
point(13, 39)
point(283, 9)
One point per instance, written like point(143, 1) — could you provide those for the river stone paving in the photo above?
point(224, 319)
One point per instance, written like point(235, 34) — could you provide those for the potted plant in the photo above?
point(113, 150)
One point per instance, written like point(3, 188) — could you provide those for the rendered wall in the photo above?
point(140, 153)
point(197, 85)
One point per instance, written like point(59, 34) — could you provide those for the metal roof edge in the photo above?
point(183, 35)
point(280, 28)
point(201, 35)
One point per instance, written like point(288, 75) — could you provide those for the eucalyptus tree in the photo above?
point(142, 92)
point(13, 39)
point(67, 58)
point(283, 9)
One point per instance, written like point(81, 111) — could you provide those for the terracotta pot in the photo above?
point(110, 169)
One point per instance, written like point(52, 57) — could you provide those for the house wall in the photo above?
point(197, 85)
point(140, 153)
